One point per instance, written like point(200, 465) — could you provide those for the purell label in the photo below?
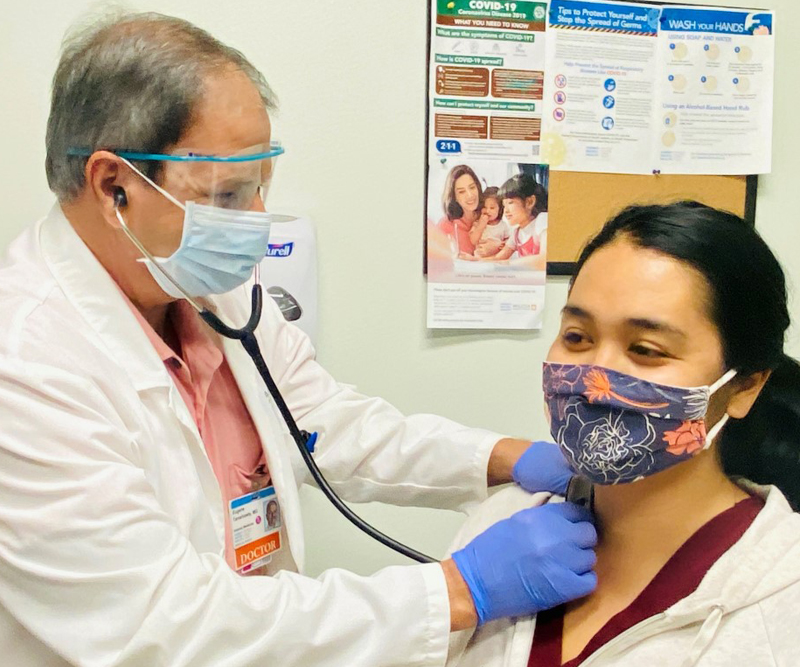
point(280, 249)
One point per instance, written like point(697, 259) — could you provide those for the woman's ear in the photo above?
point(530, 203)
point(745, 393)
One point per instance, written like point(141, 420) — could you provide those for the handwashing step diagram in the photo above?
point(716, 105)
point(633, 88)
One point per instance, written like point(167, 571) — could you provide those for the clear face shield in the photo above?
point(226, 227)
point(238, 181)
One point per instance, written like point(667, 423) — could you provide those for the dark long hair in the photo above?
point(452, 209)
point(747, 291)
point(523, 186)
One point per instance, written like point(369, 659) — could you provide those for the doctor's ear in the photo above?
point(107, 180)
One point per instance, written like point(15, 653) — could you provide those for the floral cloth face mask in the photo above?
point(615, 428)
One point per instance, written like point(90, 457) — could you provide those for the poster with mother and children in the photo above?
point(487, 244)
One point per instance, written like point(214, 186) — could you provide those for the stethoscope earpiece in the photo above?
point(120, 198)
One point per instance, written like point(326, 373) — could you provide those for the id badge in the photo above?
point(255, 528)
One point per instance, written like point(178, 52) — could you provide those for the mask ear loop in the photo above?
point(146, 254)
point(716, 428)
point(722, 381)
point(155, 185)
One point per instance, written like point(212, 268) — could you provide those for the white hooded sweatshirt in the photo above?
point(746, 611)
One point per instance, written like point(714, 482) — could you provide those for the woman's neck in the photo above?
point(640, 526)
point(658, 514)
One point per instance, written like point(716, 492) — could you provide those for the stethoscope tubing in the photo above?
point(246, 336)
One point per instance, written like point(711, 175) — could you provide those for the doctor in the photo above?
point(139, 453)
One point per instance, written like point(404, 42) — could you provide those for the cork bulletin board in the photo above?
point(580, 202)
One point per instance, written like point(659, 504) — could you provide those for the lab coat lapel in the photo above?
point(96, 297)
point(275, 438)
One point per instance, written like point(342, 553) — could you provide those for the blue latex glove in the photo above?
point(536, 559)
point(542, 468)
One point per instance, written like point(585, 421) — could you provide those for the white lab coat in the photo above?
point(746, 610)
point(111, 519)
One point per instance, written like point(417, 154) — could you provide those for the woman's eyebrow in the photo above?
point(636, 322)
point(576, 311)
point(655, 325)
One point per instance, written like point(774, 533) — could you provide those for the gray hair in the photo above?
point(131, 83)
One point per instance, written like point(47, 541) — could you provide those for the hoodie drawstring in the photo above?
point(705, 636)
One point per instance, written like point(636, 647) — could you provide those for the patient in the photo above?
point(668, 388)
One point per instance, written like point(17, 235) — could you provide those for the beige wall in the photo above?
point(351, 78)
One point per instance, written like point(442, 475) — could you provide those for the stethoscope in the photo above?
point(305, 441)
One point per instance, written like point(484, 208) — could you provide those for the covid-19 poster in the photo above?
point(486, 208)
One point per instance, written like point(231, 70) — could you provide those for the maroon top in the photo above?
point(680, 576)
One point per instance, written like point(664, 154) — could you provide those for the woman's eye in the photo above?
point(644, 351)
point(574, 338)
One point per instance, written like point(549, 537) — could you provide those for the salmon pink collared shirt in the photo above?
point(207, 386)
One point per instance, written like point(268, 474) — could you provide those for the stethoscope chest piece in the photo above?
point(580, 491)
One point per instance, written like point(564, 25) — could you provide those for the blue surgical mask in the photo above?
point(615, 428)
point(218, 251)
